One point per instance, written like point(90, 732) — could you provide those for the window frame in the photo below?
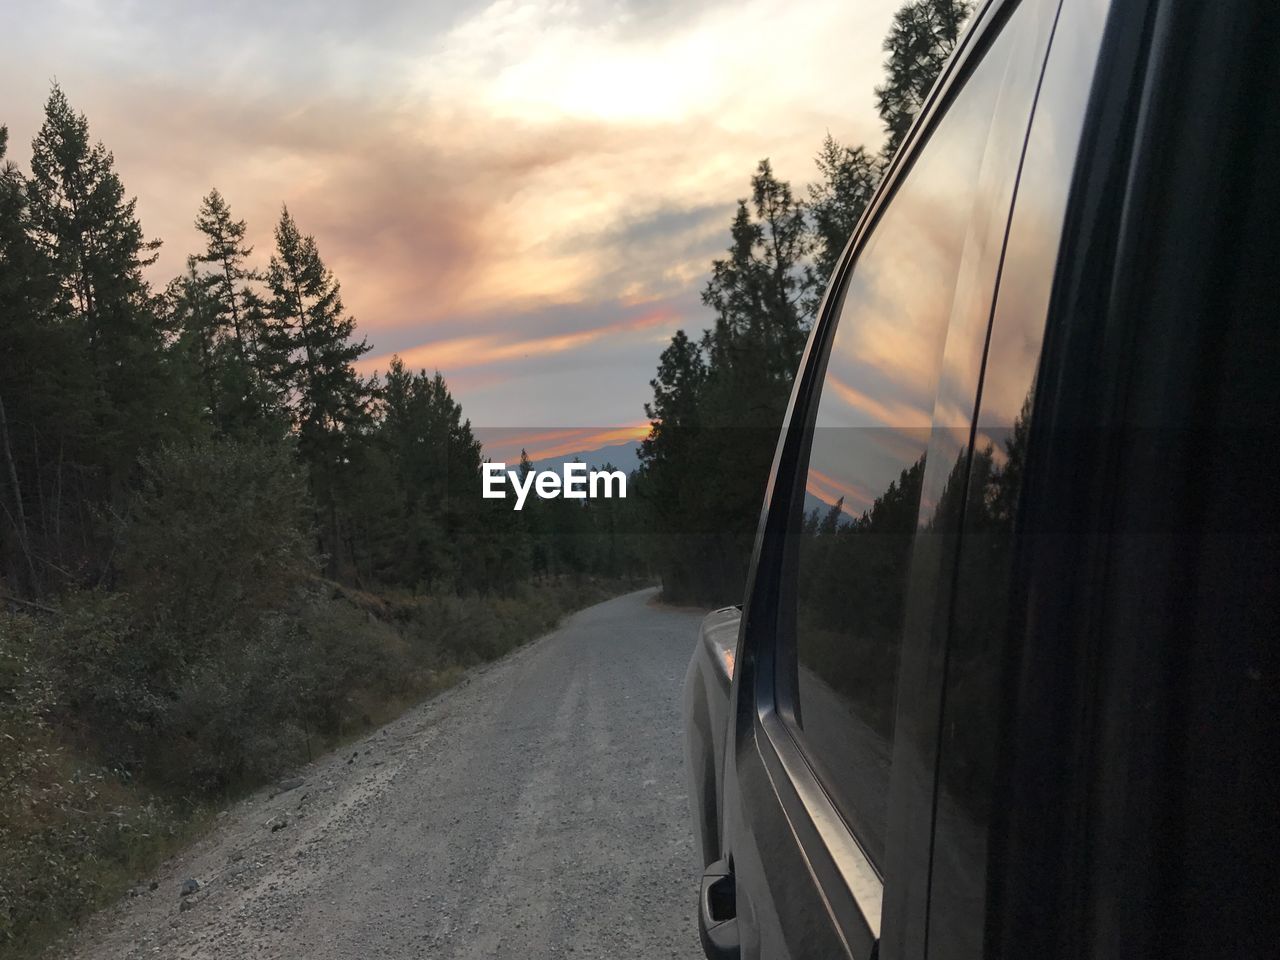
point(852, 886)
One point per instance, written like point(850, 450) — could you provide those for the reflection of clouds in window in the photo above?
point(1036, 228)
point(860, 463)
point(908, 275)
point(880, 412)
point(904, 281)
point(901, 379)
point(831, 491)
point(997, 442)
point(1018, 330)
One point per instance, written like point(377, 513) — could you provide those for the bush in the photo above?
point(183, 674)
point(118, 728)
point(219, 535)
point(71, 833)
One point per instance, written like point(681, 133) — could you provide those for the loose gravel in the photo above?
point(537, 810)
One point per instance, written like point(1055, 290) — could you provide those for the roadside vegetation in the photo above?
point(122, 735)
point(223, 549)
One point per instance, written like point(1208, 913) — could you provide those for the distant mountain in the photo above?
point(623, 456)
point(812, 503)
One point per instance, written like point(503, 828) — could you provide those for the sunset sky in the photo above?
point(526, 196)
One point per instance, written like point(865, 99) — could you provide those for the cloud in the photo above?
point(504, 445)
point(503, 188)
point(491, 349)
point(882, 411)
point(830, 491)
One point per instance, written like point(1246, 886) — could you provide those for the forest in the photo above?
point(224, 550)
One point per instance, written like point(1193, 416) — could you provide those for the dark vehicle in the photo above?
point(1004, 683)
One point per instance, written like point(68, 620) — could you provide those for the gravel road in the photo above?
point(537, 810)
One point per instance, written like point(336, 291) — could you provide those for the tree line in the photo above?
point(719, 398)
point(102, 378)
point(223, 548)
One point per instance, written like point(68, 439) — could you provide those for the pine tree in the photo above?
point(722, 400)
point(218, 292)
point(81, 216)
point(848, 179)
point(677, 397)
point(25, 302)
point(310, 347)
point(193, 316)
point(441, 532)
point(49, 399)
point(309, 350)
point(923, 34)
point(227, 254)
point(760, 289)
point(671, 457)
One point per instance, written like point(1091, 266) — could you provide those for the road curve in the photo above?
point(537, 810)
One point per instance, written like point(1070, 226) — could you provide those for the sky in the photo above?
point(526, 196)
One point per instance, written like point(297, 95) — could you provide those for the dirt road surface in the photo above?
point(537, 810)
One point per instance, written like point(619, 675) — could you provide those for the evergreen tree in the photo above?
point(534, 529)
point(761, 294)
point(848, 179)
point(721, 403)
point(310, 346)
point(759, 290)
point(26, 298)
point(219, 316)
point(81, 216)
point(670, 458)
point(673, 413)
point(226, 253)
point(309, 351)
point(428, 527)
point(126, 392)
point(923, 34)
point(193, 316)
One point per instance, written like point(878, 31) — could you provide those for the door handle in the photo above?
point(718, 913)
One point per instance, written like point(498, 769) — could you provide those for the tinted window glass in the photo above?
point(929, 264)
point(988, 484)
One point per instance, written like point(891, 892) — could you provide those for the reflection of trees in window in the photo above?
point(852, 592)
point(852, 588)
point(979, 616)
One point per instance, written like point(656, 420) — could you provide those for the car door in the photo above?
point(829, 773)
point(1137, 775)
point(970, 645)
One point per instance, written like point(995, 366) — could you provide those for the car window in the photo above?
point(928, 265)
point(991, 481)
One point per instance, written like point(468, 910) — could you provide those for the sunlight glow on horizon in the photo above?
point(830, 490)
point(505, 445)
point(463, 353)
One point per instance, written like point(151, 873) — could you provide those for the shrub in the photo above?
point(117, 726)
point(70, 832)
point(220, 534)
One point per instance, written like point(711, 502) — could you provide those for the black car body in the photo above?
point(1004, 682)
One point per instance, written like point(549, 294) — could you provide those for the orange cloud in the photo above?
point(829, 490)
point(897, 415)
point(463, 353)
point(559, 442)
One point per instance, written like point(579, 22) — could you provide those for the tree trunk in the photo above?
point(20, 515)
